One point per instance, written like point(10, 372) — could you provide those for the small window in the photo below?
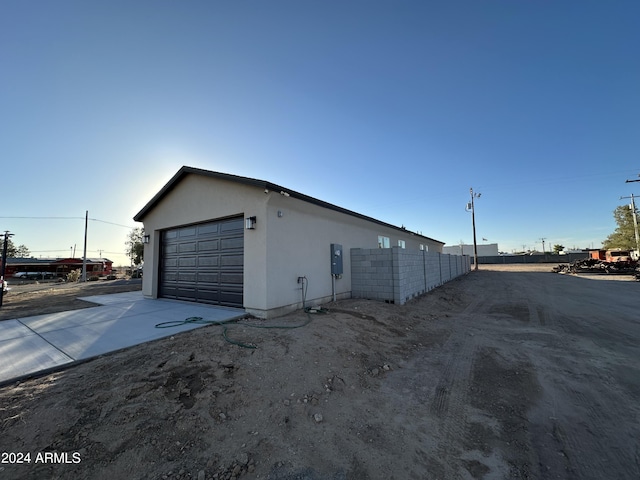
point(401, 244)
point(421, 247)
point(383, 242)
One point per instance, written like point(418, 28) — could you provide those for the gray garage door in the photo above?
point(203, 263)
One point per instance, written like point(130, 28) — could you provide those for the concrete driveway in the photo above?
point(45, 342)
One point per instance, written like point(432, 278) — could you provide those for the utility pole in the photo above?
point(471, 208)
point(84, 259)
point(635, 219)
point(631, 181)
point(4, 263)
point(543, 239)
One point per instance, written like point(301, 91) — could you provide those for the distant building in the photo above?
point(484, 250)
point(54, 267)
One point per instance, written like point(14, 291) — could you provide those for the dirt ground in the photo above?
point(29, 298)
point(503, 373)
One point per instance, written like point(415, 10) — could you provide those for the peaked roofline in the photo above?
point(263, 184)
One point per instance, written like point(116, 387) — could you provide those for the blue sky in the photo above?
point(393, 109)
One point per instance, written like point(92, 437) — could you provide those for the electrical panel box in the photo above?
point(336, 259)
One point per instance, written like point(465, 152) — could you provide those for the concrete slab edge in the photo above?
point(74, 363)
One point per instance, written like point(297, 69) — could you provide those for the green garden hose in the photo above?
point(224, 324)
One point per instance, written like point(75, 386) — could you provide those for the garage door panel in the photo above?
point(208, 246)
point(230, 298)
point(209, 295)
point(187, 262)
point(170, 249)
point(186, 277)
point(231, 260)
point(168, 291)
point(187, 247)
point(235, 224)
point(179, 292)
point(208, 277)
point(170, 263)
point(188, 232)
point(204, 263)
point(170, 276)
point(185, 294)
point(231, 244)
point(230, 278)
point(209, 229)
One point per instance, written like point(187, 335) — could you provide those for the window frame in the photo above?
point(383, 242)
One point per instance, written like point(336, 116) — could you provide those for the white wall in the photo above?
point(484, 250)
point(198, 199)
point(298, 244)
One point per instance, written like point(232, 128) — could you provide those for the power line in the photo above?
point(47, 218)
point(111, 223)
point(66, 249)
point(69, 218)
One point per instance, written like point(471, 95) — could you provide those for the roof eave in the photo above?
point(185, 170)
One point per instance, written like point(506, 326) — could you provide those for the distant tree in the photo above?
point(624, 236)
point(557, 248)
point(13, 251)
point(22, 251)
point(135, 247)
point(11, 248)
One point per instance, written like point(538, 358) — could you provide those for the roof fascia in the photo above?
point(185, 170)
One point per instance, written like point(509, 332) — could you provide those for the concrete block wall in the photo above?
point(372, 273)
point(398, 275)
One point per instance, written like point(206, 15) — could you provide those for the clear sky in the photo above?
point(393, 109)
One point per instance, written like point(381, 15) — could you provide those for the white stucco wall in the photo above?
point(298, 244)
point(200, 199)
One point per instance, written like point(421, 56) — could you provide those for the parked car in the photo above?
point(34, 275)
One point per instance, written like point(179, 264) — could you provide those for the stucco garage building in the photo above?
point(202, 247)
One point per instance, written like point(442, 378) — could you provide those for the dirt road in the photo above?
point(27, 299)
point(498, 374)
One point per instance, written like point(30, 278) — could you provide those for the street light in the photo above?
point(471, 208)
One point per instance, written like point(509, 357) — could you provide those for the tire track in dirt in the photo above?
point(534, 317)
point(585, 433)
point(450, 398)
point(449, 402)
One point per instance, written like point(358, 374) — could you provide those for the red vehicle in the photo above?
point(613, 256)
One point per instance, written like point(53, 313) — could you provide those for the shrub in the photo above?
point(74, 276)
